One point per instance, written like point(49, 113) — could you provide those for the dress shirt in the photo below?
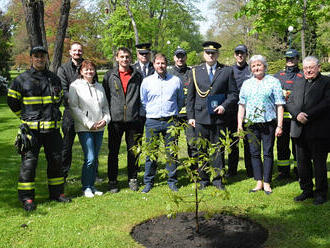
point(161, 97)
point(260, 98)
point(146, 66)
point(214, 67)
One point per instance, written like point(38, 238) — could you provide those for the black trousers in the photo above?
point(283, 149)
point(311, 152)
point(133, 133)
point(233, 157)
point(262, 133)
point(212, 134)
point(69, 135)
point(52, 143)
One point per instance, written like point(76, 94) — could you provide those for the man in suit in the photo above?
point(309, 105)
point(211, 80)
point(143, 65)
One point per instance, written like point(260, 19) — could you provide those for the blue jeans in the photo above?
point(262, 133)
point(91, 143)
point(154, 128)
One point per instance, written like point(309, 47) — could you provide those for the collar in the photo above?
point(291, 69)
point(182, 69)
point(146, 65)
point(214, 67)
point(162, 78)
point(241, 67)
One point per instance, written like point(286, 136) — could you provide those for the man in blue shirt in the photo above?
point(161, 98)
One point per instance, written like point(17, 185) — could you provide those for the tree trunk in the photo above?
point(133, 22)
point(303, 48)
point(60, 36)
point(34, 19)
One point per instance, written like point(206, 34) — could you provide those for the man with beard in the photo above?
point(68, 73)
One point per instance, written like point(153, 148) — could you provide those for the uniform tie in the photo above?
point(211, 74)
point(144, 69)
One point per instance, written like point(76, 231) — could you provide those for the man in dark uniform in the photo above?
point(35, 96)
point(143, 65)
point(211, 93)
point(309, 106)
point(288, 78)
point(122, 88)
point(181, 70)
point(241, 73)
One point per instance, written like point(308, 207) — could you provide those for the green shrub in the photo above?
point(325, 67)
point(276, 66)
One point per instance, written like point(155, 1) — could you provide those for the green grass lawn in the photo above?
point(106, 221)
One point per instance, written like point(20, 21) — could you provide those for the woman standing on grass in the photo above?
point(261, 103)
point(90, 112)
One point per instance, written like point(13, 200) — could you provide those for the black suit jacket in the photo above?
point(151, 69)
point(315, 102)
point(223, 83)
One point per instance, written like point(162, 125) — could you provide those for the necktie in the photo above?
point(144, 69)
point(211, 74)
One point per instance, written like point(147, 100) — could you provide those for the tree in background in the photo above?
point(5, 46)
point(274, 18)
point(166, 24)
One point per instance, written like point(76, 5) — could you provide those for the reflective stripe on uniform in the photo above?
point(14, 94)
point(183, 110)
point(39, 99)
point(26, 186)
point(287, 115)
point(56, 181)
point(18, 113)
point(283, 162)
point(36, 125)
point(295, 163)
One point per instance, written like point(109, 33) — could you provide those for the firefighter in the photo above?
point(35, 97)
point(291, 75)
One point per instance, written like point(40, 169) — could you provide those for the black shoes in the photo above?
point(303, 196)
point(133, 184)
point(318, 200)
point(254, 190)
point(113, 187)
point(147, 188)
point(28, 205)
point(61, 198)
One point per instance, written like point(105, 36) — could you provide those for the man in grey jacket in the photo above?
point(122, 88)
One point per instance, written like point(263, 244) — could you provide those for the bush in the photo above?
point(276, 66)
point(325, 67)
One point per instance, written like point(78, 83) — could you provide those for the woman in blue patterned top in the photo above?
point(261, 106)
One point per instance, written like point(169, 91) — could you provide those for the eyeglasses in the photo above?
point(310, 67)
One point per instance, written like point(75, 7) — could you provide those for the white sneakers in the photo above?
point(90, 194)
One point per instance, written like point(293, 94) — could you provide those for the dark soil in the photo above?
point(223, 231)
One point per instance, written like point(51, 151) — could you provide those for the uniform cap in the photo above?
point(291, 53)
point(143, 47)
point(37, 49)
point(180, 51)
point(241, 48)
point(211, 46)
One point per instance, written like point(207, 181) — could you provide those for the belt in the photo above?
point(163, 118)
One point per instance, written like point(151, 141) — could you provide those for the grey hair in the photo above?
point(311, 59)
point(260, 58)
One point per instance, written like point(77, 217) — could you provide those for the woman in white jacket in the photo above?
point(90, 112)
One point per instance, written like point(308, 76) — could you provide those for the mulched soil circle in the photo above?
point(218, 231)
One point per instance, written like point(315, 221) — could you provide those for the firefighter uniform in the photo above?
point(35, 97)
point(288, 77)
